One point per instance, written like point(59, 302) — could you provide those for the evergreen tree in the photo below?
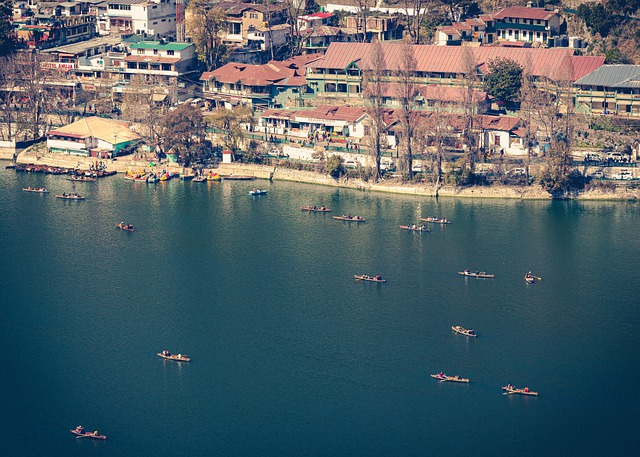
point(504, 80)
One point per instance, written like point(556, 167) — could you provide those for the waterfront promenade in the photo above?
point(122, 164)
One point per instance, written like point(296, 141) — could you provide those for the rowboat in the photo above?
point(240, 178)
point(463, 331)
point(376, 278)
point(435, 220)
point(257, 192)
point(513, 390)
point(530, 279)
point(123, 226)
point(152, 179)
point(142, 178)
point(477, 274)
point(213, 177)
point(40, 190)
point(349, 218)
point(199, 179)
point(177, 357)
point(443, 378)
point(415, 228)
point(187, 176)
point(315, 209)
point(80, 178)
point(70, 196)
point(80, 432)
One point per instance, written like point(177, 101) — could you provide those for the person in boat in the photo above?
point(166, 352)
point(64, 194)
point(378, 277)
point(441, 375)
point(130, 226)
point(467, 271)
point(80, 429)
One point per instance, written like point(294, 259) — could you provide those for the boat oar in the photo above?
point(537, 277)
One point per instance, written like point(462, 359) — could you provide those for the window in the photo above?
point(170, 52)
point(253, 15)
point(140, 51)
point(496, 140)
point(155, 52)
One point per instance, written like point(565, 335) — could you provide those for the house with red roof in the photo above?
point(522, 25)
point(258, 86)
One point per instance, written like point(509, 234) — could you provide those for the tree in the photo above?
point(232, 125)
point(207, 25)
point(363, 10)
point(406, 92)
point(469, 104)
point(10, 83)
point(8, 40)
point(34, 82)
point(335, 166)
point(415, 21)
point(504, 79)
point(373, 90)
point(183, 130)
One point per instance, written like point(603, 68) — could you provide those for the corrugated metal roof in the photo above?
point(613, 76)
point(524, 12)
point(449, 59)
point(174, 46)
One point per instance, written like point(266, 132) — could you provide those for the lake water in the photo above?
point(291, 356)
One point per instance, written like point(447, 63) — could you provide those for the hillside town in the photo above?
point(445, 93)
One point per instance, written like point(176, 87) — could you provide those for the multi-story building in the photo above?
point(382, 28)
point(611, 89)
point(340, 72)
point(45, 31)
point(154, 18)
point(524, 23)
point(258, 86)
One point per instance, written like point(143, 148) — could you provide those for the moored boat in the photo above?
point(415, 228)
point(214, 177)
point(40, 190)
point(376, 278)
point(123, 226)
point(435, 220)
point(176, 357)
point(66, 196)
point(349, 218)
point(443, 378)
point(514, 390)
point(152, 178)
point(199, 179)
point(80, 432)
point(187, 176)
point(257, 192)
point(463, 331)
point(315, 209)
point(80, 178)
point(239, 178)
point(477, 274)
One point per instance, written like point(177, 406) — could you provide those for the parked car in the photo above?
point(598, 174)
point(351, 164)
point(387, 165)
point(615, 157)
point(623, 174)
point(592, 157)
point(517, 172)
point(417, 168)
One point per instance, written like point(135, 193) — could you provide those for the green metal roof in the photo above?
point(158, 45)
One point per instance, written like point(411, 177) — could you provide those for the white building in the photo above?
point(141, 17)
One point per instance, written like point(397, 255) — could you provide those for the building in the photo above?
point(258, 86)
point(478, 30)
point(92, 137)
point(318, 39)
point(339, 73)
point(382, 28)
point(524, 23)
point(318, 19)
point(611, 89)
point(148, 18)
point(43, 31)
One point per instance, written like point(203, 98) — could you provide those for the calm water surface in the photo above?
point(292, 357)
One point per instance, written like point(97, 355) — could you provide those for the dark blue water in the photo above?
point(292, 357)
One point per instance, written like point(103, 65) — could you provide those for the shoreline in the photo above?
point(534, 192)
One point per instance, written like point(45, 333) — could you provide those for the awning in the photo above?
point(159, 97)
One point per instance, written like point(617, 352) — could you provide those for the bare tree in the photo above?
point(527, 104)
point(206, 26)
point(363, 11)
point(373, 90)
point(34, 79)
point(416, 11)
point(406, 92)
point(9, 94)
point(470, 101)
point(294, 8)
point(436, 126)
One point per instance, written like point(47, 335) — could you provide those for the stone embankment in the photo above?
point(122, 164)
